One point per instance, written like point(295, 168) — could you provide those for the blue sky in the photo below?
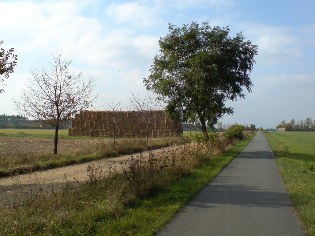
point(115, 42)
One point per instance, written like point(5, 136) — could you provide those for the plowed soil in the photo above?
point(12, 147)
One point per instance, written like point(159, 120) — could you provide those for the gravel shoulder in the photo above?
point(18, 188)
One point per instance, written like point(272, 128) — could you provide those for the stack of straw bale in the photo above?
point(124, 124)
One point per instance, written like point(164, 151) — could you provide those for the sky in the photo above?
point(115, 42)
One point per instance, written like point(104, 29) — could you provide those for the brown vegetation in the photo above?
point(24, 154)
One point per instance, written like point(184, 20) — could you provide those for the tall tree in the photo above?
point(8, 61)
point(308, 123)
point(55, 95)
point(294, 125)
point(198, 69)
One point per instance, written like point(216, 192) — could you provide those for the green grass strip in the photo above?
point(43, 133)
point(295, 156)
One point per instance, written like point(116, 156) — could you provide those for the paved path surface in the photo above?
point(246, 198)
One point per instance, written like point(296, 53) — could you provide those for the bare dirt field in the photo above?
point(12, 147)
point(26, 152)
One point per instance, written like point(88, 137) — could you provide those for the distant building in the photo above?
point(281, 129)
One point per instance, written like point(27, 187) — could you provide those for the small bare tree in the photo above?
point(146, 107)
point(115, 119)
point(55, 95)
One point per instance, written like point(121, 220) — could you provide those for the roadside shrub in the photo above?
point(214, 137)
point(247, 134)
point(198, 137)
point(146, 174)
point(222, 144)
point(234, 132)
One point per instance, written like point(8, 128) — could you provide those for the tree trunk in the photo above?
point(114, 133)
point(204, 129)
point(56, 140)
point(147, 136)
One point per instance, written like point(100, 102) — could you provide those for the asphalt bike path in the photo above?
point(247, 198)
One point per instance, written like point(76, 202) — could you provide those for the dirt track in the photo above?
point(18, 188)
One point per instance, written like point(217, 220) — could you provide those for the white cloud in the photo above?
point(308, 33)
point(292, 85)
point(133, 12)
point(200, 3)
point(275, 44)
point(146, 45)
point(115, 41)
point(275, 98)
point(47, 28)
point(118, 58)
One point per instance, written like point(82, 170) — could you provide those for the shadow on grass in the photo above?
point(295, 156)
point(256, 155)
point(278, 155)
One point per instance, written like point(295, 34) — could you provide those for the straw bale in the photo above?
point(131, 123)
point(83, 132)
point(98, 115)
point(96, 133)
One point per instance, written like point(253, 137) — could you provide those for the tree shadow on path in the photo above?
point(240, 195)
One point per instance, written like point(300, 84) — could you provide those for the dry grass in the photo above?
point(25, 154)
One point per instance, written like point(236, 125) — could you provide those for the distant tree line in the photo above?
point(21, 122)
point(220, 127)
point(303, 125)
point(223, 127)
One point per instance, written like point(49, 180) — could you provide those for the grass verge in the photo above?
point(138, 201)
point(43, 133)
point(149, 215)
point(295, 156)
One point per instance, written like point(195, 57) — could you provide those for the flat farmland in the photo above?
point(12, 147)
point(27, 143)
point(23, 151)
point(295, 156)
point(32, 132)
